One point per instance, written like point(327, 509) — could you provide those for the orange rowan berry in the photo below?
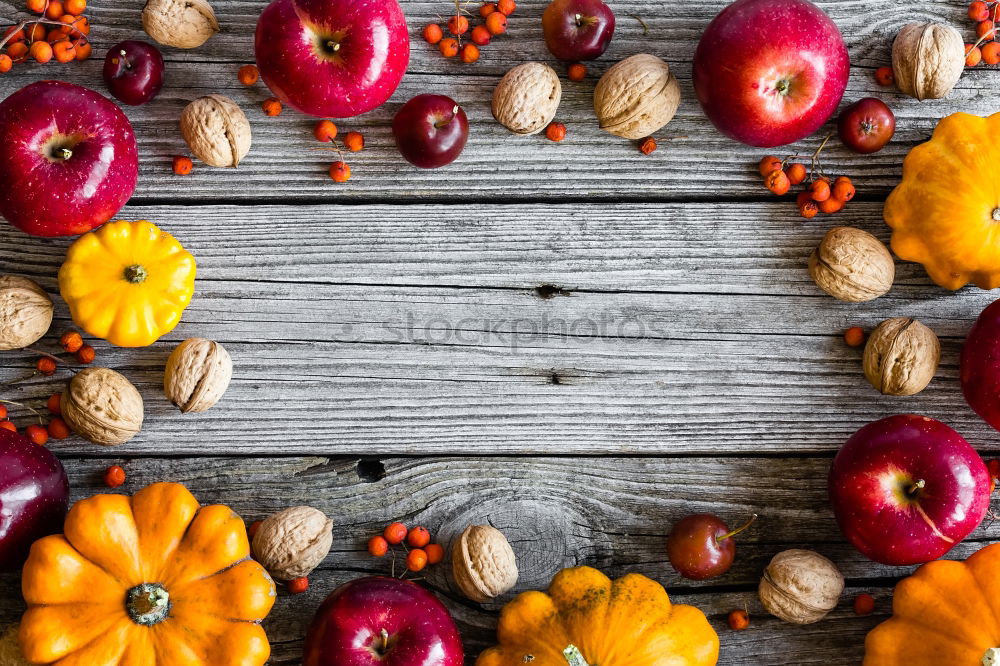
point(325, 131)
point(418, 537)
point(854, 336)
point(183, 165)
point(55, 35)
point(340, 172)
point(71, 341)
point(17, 50)
point(864, 604)
point(395, 533)
point(52, 404)
point(884, 76)
point(55, 10)
point(271, 106)
point(647, 146)
point(738, 620)
point(819, 190)
point(433, 33)
point(83, 49)
point(973, 55)
point(985, 29)
point(85, 354)
point(458, 25)
point(253, 527)
point(555, 132)
point(35, 32)
point(978, 11)
point(298, 585)
point(809, 210)
point(46, 366)
point(796, 173)
point(991, 53)
point(58, 429)
point(470, 53)
point(8, 425)
point(41, 51)
point(81, 24)
point(448, 47)
point(114, 476)
point(506, 7)
point(64, 51)
point(13, 34)
point(3, 412)
point(435, 553)
point(496, 23)
point(354, 141)
point(35, 6)
point(248, 75)
point(76, 7)
point(777, 182)
point(5, 63)
point(768, 164)
point(831, 205)
point(480, 35)
point(577, 71)
point(378, 546)
point(843, 189)
point(37, 434)
point(487, 8)
point(416, 560)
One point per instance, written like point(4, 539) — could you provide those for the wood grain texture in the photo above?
point(611, 513)
point(697, 162)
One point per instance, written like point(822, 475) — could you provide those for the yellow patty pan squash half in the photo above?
point(586, 619)
point(127, 282)
point(155, 579)
point(945, 214)
point(946, 614)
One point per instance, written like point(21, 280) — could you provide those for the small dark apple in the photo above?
point(980, 365)
point(578, 29)
point(133, 72)
point(702, 546)
point(430, 131)
point(867, 125)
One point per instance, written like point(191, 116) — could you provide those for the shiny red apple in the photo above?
point(578, 29)
point(335, 58)
point(980, 365)
point(430, 131)
point(70, 159)
point(770, 72)
point(382, 621)
point(34, 496)
point(133, 71)
point(867, 125)
point(907, 488)
point(701, 546)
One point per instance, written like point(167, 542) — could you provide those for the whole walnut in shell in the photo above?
point(25, 312)
point(102, 406)
point(216, 130)
point(901, 356)
point(800, 586)
point(637, 97)
point(197, 374)
point(293, 542)
point(483, 563)
point(928, 59)
point(852, 265)
point(527, 97)
point(186, 24)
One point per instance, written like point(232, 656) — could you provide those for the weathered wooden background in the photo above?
point(574, 342)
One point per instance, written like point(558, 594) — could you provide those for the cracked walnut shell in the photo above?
point(928, 59)
point(901, 356)
point(102, 406)
point(25, 312)
point(637, 97)
point(197, 374)
point(527, 97)
point(293, 542)
point(483, 563)
point(185, 24)
point(852, 265)
point(216, 130)
point(800, 586)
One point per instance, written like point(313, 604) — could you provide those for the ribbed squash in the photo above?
point(945, 614)
point(588, 619)
point(945, 214)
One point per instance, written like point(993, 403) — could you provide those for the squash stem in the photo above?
point(574, 657)
point(135, 274)
point(147, 604)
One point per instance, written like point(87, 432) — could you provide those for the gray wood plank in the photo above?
point(496, 166)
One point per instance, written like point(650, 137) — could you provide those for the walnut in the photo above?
point(102, 406)
point(197, 374)
point(928, 59)
point(216, 130)
point(637, 97)
point(800, 586)
point(527, 97)
point(483, 563)
point(293, 542)
point(25, 312)
point(186, 24)
point(852, 265)
point(901, 356)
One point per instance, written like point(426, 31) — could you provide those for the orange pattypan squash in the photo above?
point(945, 214)
point(945, 614)
point(586, 618)
point(154, 579)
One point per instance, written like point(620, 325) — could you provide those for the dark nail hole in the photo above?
point(554, 378)
point(371, 470)
point(548, 291)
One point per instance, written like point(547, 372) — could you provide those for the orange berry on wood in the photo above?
point(496, 23)
point(577, 71)
point(85, 354)
point(35, 6)
point(506, 7)
point(796, 173)
point(114, 476)
point(843, 190)
point(75, 6)
point(480, 35)
point(991, 53)
point(809, 209)
point(768, 164)
point(17, 50)
point(777, 182)
point(831, 205)
point(435, 553)
point(41, 51)
point(354, 141)
point(738, 620)
point(973, 55)
point(3, 412)
point(8, 425)
point(854, 336)
point(819, 190)
point(5, 63)
point(82, 25)
point(555, 132)
point(271, 106)
point(52, 404)
point(458, 25)
point(183, 165)
point(35, 32)
point(416, 559)
point(58, 429)
point(487, 8)
point(378, 546)
point(470, 53)
point(340, 172)
point(46, 366)
point(395, 533)
point(71, 341)
point(248, 75)
point(64, 51)
point(55, 10)
point(298, 585)
point(448, 47)
point(864, 604)
point(55, 35)
point(884, 76)
point(985, 29)
point(325, 131)
point(433, 33)
point(37, 434)
point(647, 146)
point(418, 537)
point(978, 10)
point(83, 49)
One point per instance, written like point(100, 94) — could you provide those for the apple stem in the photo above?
point(128, 65)
point(384, 635)
point(62, 153)
point(739, 529)
point(919, 485)
point(333, 46)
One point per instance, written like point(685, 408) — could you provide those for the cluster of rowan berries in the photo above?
point(415, 541)
point(59, 34)
point(494, 16)
point(819, 195)
point(326, 132)
point(986, 49)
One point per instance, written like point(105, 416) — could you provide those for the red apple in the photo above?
point(133, 71)
point(430, 131)
point(578, 29)
point(770, 72)
point(70, 159)
point(867, 125)
point(907, 488)
point(334, 58)
point(34, 495)
point(700, 546)
point(980, 365)
point(382, 621)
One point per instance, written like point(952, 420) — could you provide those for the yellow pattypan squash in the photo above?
point(945, 214)
point(127, 282)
